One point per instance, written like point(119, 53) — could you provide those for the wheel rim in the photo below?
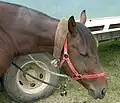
point(28, 84)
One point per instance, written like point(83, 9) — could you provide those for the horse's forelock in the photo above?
point(87, 38)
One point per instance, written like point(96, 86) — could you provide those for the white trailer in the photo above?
point(105, 28)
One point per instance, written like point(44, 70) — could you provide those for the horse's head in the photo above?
point(82, 50)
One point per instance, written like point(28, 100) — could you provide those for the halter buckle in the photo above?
point(55, 62)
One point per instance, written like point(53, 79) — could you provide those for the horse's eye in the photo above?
point(85, 55)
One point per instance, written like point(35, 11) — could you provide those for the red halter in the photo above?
point(77, 76)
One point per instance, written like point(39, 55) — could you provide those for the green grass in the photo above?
point(109, 53)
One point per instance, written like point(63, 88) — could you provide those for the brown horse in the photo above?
point(24, 31)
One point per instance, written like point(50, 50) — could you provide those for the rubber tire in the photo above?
point(11, 87)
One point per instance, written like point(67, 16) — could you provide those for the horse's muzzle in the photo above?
point(99, 94)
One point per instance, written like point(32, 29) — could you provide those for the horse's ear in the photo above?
point(71, 24)
point(83, 17)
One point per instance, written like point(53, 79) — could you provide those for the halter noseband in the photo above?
point(77, 76)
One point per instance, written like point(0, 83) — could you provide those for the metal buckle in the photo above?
point(55, 62)
point(66, 55)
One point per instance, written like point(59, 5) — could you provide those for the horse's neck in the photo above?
point(44, 40)
point(31, 33)
point(48, 29)
point(47, 35)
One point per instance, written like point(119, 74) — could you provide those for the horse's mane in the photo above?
point(87, 38)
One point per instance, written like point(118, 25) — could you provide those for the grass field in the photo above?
point(109, 53)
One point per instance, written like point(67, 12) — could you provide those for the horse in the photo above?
point(25, 31)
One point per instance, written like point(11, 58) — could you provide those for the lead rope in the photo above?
point(44, 68)
point(62, 87)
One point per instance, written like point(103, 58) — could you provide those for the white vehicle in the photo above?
point(106, 28)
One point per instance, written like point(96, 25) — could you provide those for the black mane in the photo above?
point(87, 37)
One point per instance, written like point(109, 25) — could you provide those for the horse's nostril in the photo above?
point(103, 91)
